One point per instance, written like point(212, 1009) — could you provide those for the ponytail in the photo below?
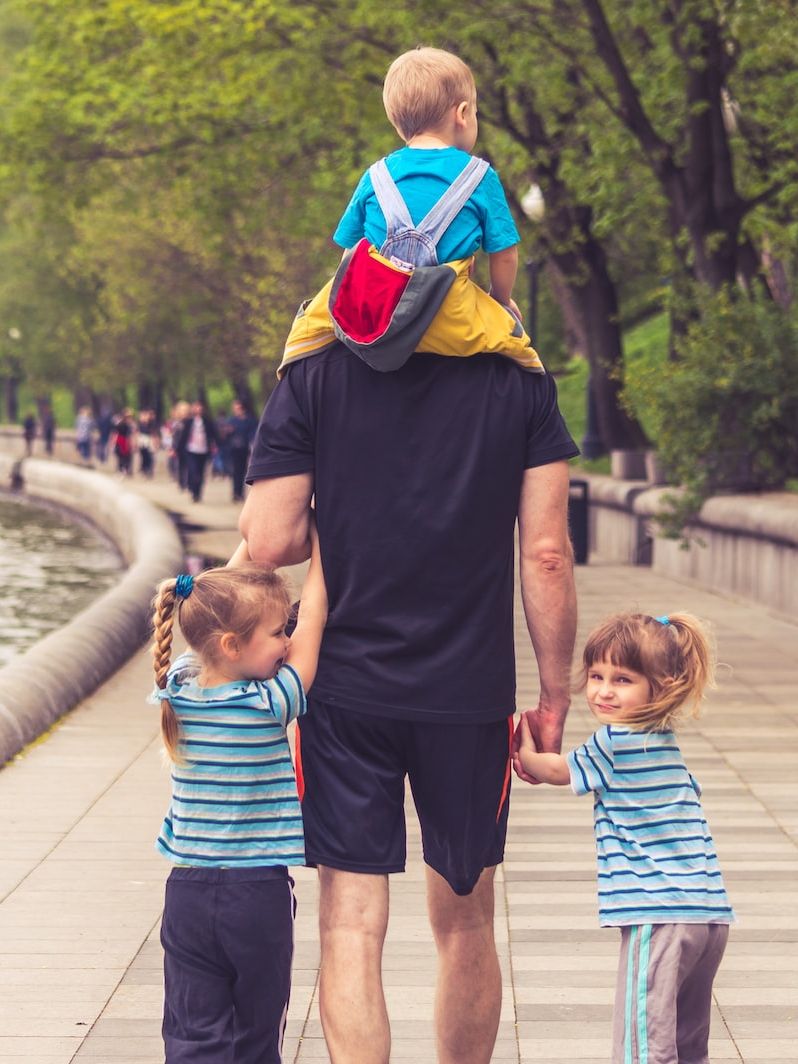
point(682, 693)
point(163, 625)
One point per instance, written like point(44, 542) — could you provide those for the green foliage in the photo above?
point(572, 394)
point(170, 172)
point(723, 413)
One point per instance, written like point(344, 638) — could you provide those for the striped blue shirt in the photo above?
point(656, 859)
point(234, 795)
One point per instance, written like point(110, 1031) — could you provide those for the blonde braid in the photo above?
point(163, 625)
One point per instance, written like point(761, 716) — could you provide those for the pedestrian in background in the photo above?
point(124, 430)
point(220, 466)
point(180, 412)
point(240, 429)
point(197, 441)
point(84, 427)
point(105, 426)
point(29, 432)
point(147, 441)
point(48, 429)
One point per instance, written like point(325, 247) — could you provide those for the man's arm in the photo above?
point(275, 520)
point(548, 594)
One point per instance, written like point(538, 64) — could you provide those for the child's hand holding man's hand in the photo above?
point(523, 740)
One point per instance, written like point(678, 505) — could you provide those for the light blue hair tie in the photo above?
point(663, 619)
point(184, 584)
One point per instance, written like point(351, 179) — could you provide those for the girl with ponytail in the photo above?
point(658, 874)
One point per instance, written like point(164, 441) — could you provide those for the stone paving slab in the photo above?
point(81, 885)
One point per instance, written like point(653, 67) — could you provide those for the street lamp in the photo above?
point(534, 207)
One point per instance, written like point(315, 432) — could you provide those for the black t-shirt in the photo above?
point(417, 476)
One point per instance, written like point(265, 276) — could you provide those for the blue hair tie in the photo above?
point(663, 619)
point(184, 584)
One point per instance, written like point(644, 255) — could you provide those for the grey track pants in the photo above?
point(664, 992)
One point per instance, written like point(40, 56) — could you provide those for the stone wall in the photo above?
point(67, 665)
point(744, 545)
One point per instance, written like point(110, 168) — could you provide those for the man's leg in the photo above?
point(353, 918)
point(469, 992)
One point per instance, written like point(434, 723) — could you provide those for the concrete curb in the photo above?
point(67, 665)
point(743, 545)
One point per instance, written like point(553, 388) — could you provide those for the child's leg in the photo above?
point(660, 967)
point(694, 1002)
point(255, 924)
point(198, 999)
point(630, 1021)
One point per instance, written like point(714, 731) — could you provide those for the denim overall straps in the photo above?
point(415, 245)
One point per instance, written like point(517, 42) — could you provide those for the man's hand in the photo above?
point(540, 729)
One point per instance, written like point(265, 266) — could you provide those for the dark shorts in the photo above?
point(352, 767)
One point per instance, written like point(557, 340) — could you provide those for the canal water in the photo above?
point(51, 567)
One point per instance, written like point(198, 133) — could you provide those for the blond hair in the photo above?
point(675, 654)
point(221, 600)
point(420, 88)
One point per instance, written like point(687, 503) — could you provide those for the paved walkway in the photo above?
point(81, 886)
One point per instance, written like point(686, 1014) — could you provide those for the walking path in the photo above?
point(81, 886)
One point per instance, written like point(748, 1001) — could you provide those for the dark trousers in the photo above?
point(228, 939)
point(195, 473)
point(239, 456)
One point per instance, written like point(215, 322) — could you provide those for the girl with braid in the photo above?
point(234, 823)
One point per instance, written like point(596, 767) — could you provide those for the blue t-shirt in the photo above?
point(234, 795)
point(417, 475)
point(422, 175)
point(656, 858)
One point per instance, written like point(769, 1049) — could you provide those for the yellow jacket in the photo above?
point(465, 320)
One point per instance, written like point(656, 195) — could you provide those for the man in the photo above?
point(48, 429)
point(29, 432)
point(197, 439)
point(240, 431)
point(418, 475)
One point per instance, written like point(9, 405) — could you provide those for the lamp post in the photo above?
point(534, 207)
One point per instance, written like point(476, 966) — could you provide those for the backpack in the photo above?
point(382, 302)
point(407, 245)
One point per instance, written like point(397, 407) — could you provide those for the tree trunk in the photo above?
point(11, 399)
point(573, 321)
point(241, 389)
point(595, 295)
point(82, 395)
point(594, 298)
point(696, 172)
point(568, 236)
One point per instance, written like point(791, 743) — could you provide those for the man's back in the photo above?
point(417, 476)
